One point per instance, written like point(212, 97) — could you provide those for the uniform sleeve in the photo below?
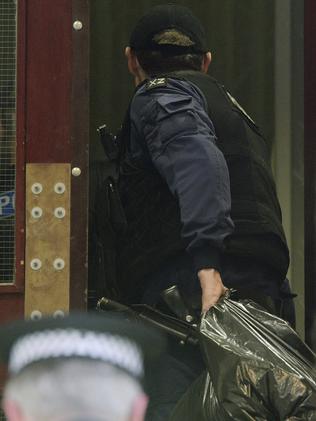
point(181, 142)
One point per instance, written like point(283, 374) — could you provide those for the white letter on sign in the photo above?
point(4, 201)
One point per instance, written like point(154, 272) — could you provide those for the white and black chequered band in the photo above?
point(66, 343)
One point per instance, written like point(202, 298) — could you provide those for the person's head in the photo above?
point(166, 39)
point(73, 390)
point(80, 368)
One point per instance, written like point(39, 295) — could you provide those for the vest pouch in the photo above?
point(105, 222)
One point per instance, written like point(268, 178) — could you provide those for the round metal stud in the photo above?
point(60, 213)
point(36, 315)
point(59, 264)
point(59, 188)
point(77, 25)
point(76, 171)
point(37, 213)
point(59, 314)
point(37, 188)
point(189, 318)
point(36, 264)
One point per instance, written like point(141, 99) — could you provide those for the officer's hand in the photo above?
point(212, 287)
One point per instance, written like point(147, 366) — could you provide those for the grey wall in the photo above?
point(288, 144)
point(297, 161)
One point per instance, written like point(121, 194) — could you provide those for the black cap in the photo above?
point(164, 17)
point(107, 337)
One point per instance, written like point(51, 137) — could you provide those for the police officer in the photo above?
point(195, 183)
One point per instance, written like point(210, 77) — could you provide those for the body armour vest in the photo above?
point(153, 216)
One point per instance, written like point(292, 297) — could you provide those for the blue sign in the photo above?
point(7, 204)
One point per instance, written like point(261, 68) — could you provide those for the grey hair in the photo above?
point(73, 390)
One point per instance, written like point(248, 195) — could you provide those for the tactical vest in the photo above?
point(153, 214)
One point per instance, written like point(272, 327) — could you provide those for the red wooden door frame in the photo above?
point(52, 127)
point(58, 104)
point(80, 130)
point(52, 124)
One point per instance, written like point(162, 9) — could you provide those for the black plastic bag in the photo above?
point(257, 369)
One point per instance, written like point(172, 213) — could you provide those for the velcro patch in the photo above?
point(156, 83)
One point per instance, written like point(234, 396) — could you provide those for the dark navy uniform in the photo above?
point(171, 132)
point(175, 189)
point(172, 169)
point(172, 140)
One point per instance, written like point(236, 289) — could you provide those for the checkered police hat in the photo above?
point(107, 337)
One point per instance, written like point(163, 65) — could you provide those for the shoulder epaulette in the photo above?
point(156, 83)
